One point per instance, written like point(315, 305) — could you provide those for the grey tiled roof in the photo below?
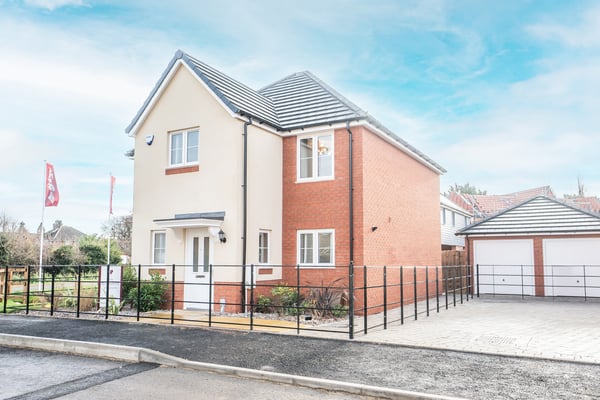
point(301, 100)
point(297, 101)
point(538, 215)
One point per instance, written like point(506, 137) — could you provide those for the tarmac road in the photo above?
point(449, 373)
point(33, 375)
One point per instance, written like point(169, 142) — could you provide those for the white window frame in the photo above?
point(315, 159)
point(443, 216)
point(453, 218)
point(268, 247)
point(153, 249)
point(184, 149)
point(315, 254)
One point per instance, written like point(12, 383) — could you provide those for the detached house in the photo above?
point(291, 175)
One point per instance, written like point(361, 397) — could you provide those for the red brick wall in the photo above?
point(391, 191)
point(401, 198)
point(318, 205)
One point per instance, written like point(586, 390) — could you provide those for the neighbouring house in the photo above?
point(452, 218)
point(485, 205)
point(61, 235)
point(540, 247)
point(291, 175)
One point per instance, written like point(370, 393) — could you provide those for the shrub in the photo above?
point(285, 300)
point(152, 294)
point(263, 304)
point(129, 280)
point(327, 301)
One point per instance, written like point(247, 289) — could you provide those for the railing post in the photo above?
point(351, 300)
point(477, 266)
point(401, 295)
point(437, 288)
point(523, 283)
point(173, 294)
point(454, 285)
point(53, 273)
point(107, 290)
point(446, 282)
point(297, 300)
point(415, 289)
point(427, 288)
point(384, 297)
point(139, 290)
point(28, 289)
point(252, 297)
point(584, 285)
point(210, 292)
point(365, 308)
point(461, 283)
point(5, 289)
point(78, 289)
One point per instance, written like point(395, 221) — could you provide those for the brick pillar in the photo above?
point(538, 262)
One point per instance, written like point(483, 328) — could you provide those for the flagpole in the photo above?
point(40, 276)
point(109, 215)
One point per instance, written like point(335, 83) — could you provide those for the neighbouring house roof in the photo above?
point(64, 233)
point(590, 203)
point(297, 101)
point(447, 203)
point(540, 215)
point(485, 205)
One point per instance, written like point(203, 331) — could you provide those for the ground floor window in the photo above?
point(263, 247)
point(316, 247)
point(159, 241)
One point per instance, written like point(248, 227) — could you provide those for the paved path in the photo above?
point(541, 328)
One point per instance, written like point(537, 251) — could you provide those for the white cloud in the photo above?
point(52, 5)
point(585, 33)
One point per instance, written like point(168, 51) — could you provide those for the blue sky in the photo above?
point(504, 95)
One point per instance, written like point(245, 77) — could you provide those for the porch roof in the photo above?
point(193, 220)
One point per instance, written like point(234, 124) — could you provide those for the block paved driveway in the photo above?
point(557, 329)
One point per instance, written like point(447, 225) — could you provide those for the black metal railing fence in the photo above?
point(346, 301)
point(554, 281)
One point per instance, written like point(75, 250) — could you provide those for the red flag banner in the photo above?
point(112, 189)
point(52, 196)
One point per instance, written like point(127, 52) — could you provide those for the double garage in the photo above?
point(541, 247)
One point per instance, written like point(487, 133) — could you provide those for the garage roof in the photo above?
point(539, 215)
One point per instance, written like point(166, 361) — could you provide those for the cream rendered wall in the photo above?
point(265, 191)
point(186, 103)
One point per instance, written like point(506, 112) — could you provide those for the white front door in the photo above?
point(198, 257)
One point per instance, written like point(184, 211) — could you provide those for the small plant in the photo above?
point(327, 301)
point(129, 280)
point(285, 300)
point(263, 304)
point(151, 294)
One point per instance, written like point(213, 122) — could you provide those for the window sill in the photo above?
point(317, 266)
point(182, 170)
point(309, 180)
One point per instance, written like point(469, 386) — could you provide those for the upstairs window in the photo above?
point(315, 157)
point(183, 148)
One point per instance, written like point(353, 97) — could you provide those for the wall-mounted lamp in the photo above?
point(149, 139)
point(373, 228)
point(222, 237)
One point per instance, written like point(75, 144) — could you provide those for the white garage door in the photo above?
point(505, 266)
point(572, 267)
